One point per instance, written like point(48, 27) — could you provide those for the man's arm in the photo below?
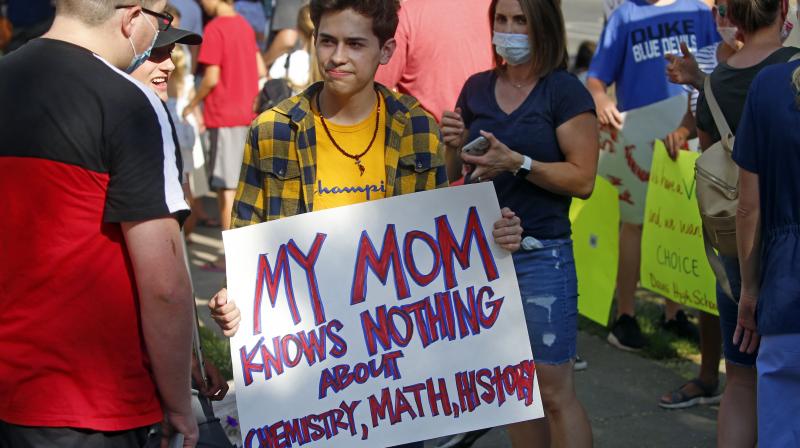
point(282, 43)
point(165, 302)
point(607, 112)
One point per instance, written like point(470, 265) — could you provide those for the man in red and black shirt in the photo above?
point(96, 327)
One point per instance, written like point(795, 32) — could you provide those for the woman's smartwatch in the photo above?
point(524, 169)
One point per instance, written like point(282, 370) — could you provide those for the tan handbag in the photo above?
point(718, 183)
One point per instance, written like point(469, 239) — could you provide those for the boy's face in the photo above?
point(155, 71)
point(348, 51)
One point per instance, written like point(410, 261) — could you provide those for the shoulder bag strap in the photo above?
point(717, 267)
point(719, 117)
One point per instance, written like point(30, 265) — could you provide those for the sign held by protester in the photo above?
point(595, 236)
point(378, 324)
point(674, 261)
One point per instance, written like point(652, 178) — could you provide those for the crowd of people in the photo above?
point(120, 115)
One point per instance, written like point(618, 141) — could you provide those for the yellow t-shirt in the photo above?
point(339, 180)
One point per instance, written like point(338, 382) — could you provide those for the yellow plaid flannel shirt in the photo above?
point(279, 169)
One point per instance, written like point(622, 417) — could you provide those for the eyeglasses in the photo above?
point(722, 10)
point(164, 18)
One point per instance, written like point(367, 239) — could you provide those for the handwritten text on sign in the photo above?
point(378, 324)
point(674, 261)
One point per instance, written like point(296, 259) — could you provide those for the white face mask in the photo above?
point(515, 49)
point(728, 34)
point(138, 59)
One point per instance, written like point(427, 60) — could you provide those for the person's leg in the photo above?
point(736, 422)
point(710, 348)
point(567, 423)
point(548, 285)
point(625, 333)
point(692, 393)
point(630, 251)
point(225, 199)
point(227, 151)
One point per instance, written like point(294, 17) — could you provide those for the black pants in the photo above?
point(15, 436)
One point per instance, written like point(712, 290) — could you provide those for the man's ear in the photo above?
point(388, 50)
point(129, 18)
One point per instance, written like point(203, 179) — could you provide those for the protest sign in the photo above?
point(595, 237)
point(626, 155)
point(674, 261)
point(378, 324)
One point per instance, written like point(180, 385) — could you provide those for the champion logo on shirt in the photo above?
point(336, 190)
point(656, 40)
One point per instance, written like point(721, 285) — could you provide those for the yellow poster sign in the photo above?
point(595, 236)
point(674, 261)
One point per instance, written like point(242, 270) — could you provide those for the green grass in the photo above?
point(217, 349)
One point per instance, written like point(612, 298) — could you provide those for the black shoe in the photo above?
point(626, 334)
point(681, 327)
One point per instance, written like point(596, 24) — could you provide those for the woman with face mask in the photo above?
point(540, 131)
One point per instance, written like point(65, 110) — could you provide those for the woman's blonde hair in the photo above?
point(179, 74)
point(306, 27)
point(796, 85)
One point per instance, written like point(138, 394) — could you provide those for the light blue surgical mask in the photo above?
point(515, 49)
point(138, 59)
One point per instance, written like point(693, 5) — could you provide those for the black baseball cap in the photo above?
point(177, 36)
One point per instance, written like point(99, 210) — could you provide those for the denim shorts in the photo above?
point(729, 314)
point(549, 289)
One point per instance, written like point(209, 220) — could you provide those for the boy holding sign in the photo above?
point(345, 140)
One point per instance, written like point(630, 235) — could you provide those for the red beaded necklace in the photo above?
point(356, 157)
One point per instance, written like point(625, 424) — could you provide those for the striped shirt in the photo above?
point(706, 58)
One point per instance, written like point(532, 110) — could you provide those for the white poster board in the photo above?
point(406, 324)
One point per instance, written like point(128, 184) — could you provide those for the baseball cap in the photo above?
point(177, 36)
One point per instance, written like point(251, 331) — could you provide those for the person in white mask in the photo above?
point(540, 125)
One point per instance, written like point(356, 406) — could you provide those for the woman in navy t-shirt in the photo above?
point(539, 121)
point(767, 151)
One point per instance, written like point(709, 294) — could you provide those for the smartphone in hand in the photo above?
point(477, 147)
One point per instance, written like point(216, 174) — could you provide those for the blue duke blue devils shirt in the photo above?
point(635, 40)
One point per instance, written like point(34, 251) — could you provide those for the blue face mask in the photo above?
point(515, 49)
point(138, 59)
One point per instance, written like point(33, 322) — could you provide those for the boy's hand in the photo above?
point(225, 312)
point(508, 231)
